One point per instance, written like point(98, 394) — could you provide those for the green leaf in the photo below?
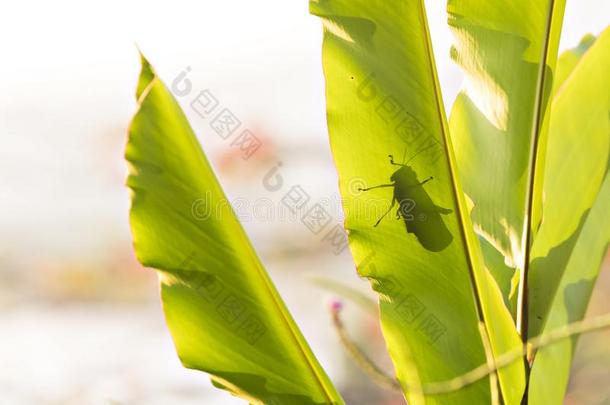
point(508, 51)
point(503, 274)
point(569, 59)
point(222, 309)
point(439, 305)
point(575, 232)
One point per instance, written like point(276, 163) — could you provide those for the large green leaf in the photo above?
point(508, 50)
point(574, 235)
point(438, 304)
point(223, 311)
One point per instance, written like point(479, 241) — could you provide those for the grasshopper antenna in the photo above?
point(418, 152)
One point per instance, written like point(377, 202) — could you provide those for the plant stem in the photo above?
point(360, 358)
point(586, 326)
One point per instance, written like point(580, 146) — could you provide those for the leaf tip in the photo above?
point(147, 74)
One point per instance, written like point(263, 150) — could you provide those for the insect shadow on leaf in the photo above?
point(415, 207)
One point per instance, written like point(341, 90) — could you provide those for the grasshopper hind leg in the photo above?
point(386, 213)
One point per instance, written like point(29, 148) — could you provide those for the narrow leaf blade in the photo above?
point(507, 50)
point(575, 233)
point(222, 309)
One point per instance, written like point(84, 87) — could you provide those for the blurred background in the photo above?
point(80, 319)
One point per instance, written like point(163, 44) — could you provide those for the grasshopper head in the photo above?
point(405, 175)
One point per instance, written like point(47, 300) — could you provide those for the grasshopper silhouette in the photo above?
point(421, 216)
